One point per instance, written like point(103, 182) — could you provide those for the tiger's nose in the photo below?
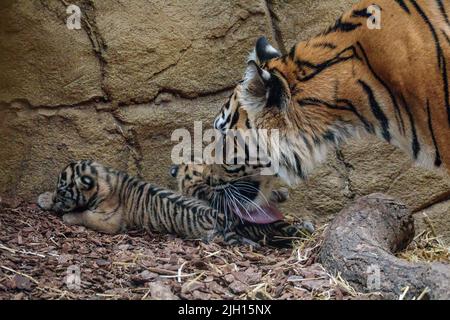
point(173, 171)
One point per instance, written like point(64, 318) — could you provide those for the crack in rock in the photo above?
point(182, 53)
point(131, 141)
point(99, 47)
point(348, 167)
point(273, 20)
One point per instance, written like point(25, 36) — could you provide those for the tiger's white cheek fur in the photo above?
point(45, 200)
point(288, 146)
point(426, 158)
point(252, 93)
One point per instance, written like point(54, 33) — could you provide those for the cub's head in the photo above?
point(246, 196)
point(77, 187)
point(240, 193)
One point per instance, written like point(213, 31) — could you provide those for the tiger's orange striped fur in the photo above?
point(351, 80)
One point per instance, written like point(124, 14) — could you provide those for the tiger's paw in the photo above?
point(280, 195)
point(209, 237)
point(45, 201)
point(306, 227)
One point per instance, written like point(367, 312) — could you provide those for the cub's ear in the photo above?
point(263, 89)
point(86, 182)
point(264, 51)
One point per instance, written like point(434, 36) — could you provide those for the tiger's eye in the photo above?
point(173, 171)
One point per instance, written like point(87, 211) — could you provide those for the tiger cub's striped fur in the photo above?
point(195, 180)
point(111, 201)
point(352, 80)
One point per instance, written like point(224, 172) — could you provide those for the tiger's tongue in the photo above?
point(264, 215)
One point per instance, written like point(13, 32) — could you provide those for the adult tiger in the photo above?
point(110, 201)
point(351, 80)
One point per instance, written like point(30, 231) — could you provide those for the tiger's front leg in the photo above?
point(232, 238)
point(110, 223)
point(73, 219)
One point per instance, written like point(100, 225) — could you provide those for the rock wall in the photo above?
point(116, 89)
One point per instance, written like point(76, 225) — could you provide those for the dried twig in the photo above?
point(21, 274)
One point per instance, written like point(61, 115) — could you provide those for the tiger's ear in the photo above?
point(264, 51)
point(263, 89)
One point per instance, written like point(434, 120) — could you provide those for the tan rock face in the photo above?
point(41, 60)
point(301, 19)
point(189, 47)
point(117, 89)
point(38, 143)
point(438, 216)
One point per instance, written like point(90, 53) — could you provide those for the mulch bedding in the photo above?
point(37, 253)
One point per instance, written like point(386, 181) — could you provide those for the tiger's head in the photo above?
point(77, 187)
point(258, 102)
point(295, 141)
point(239, 189)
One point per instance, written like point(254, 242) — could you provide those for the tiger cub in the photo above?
point(259, 218)
point(110, 201)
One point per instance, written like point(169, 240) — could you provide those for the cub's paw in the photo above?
point(45, 201)
point(72, 219)
point(280, 195)
point(306, 227)
point(233, 239)
point(208, 236)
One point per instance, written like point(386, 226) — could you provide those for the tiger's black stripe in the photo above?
point(398, 115)
point(438, 160)
point(377, 111)
point(326, 45)
point(403, 5)
point(447, 37)
point(348, 106)
point(318, 68)
point(415, 141)
point(440, 56)
point(363, 13)
point(298, 166)
point(342, 26)
point(443, 11)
